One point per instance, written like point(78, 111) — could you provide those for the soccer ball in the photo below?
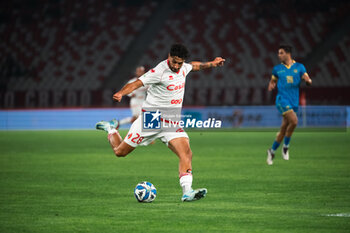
point(145, 192)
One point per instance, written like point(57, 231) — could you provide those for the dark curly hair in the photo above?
point(286, 48)
point(179, 50)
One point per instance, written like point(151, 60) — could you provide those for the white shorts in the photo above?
point(136, 137)
point(136, 106)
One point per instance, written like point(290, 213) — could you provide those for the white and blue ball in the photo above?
point(145, 192)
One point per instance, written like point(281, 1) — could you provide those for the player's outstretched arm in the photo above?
point(272, 84)
point(197, 65)
point(307, 79)
point(127, 89)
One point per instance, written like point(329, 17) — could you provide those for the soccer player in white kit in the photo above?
point(166, 89)
point(137, 97)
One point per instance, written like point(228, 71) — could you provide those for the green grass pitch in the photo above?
point(70, 181)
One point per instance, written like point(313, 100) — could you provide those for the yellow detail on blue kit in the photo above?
point(288, 84)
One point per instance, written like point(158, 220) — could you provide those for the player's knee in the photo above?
point(294, 122)
point(120, 152)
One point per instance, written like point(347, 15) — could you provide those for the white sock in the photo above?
point(186, 183)
point(124, 121)
point(112, 130)
point(285, 146)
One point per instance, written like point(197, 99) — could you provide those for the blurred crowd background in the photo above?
point(69, 53)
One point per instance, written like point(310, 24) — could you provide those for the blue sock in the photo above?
point(286, 141)
point(275, 145)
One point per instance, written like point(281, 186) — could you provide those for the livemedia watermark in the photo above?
point(172, 120)
point(243, 118)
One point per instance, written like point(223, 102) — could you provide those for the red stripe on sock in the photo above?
point(110, 135)
point(185, 174)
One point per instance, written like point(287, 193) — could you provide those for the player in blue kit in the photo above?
point(287, 76)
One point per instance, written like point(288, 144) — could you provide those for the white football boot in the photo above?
point(285, 153)
point(194, 195)
point(270, 157)
point(105, 125)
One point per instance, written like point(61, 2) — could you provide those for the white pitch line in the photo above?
point(347, 215)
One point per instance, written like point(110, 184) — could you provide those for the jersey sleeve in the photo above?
point(274, 74)
point(187, 67)
point(302, 70)
point(153, 76)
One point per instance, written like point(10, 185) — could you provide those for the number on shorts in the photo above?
point(138, 138)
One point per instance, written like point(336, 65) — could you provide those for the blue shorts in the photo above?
point(283, 105)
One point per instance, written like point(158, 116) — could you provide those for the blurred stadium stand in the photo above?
point(54, 53)
point(247, 34)
point(61, 53)
point(333, 69)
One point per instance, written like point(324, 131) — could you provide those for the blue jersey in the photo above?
point(288, 82)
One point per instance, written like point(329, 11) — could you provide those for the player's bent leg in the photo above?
point(114, 138)
point(123, 149)
point(292, 122)
point(120, 148)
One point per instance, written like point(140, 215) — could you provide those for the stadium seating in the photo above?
point(247, 35)
point(334, 70)
point(73, 46)
point(69, 45)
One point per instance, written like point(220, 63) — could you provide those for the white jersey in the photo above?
point(166, 88)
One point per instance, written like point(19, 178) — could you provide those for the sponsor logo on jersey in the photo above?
point(171, 77)
point(173, 87)
point(290, 79)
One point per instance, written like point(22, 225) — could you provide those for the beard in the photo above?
point(174, 70)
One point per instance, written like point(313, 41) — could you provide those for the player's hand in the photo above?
point(308, 82)
point(272, 86)
point(218, 61)
point(307, 79)
point(117, 97)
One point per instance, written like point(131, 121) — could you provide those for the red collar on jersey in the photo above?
point(169, 66)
